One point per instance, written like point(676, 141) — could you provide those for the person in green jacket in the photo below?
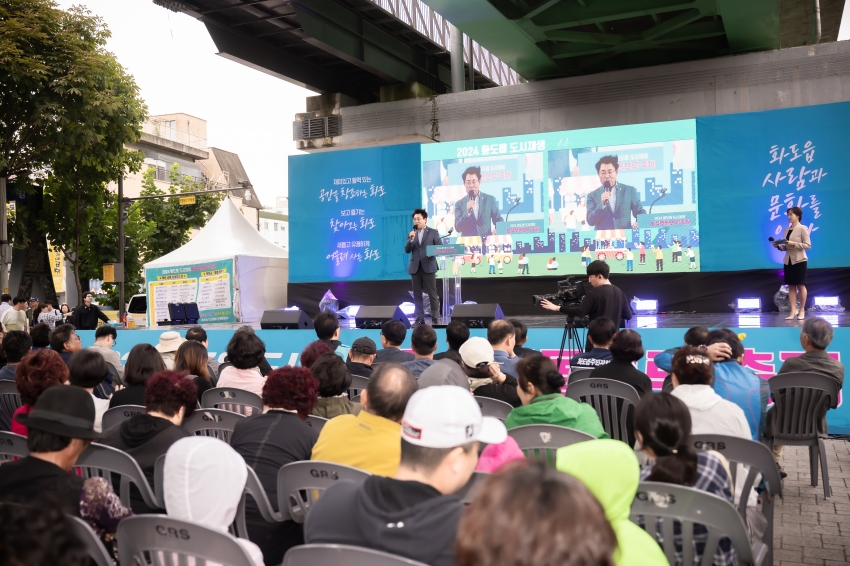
point(539, 389)
point(609, 469)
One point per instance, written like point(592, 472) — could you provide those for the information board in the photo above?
point(208, 284)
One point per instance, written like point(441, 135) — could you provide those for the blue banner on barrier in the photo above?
point(765, 349)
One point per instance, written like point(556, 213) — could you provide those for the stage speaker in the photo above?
point(375, 316)
point(477, 316)
point(283, 319)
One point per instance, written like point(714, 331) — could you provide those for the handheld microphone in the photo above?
point(471, 195)
point(414, 230)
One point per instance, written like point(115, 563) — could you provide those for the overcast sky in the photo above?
point(175, 64)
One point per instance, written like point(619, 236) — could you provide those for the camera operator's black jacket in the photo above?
point(604, 301)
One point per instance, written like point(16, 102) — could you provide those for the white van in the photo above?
point(137, 312)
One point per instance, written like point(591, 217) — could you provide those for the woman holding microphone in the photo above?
point(796, 261)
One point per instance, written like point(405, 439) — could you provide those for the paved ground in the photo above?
point(808, 529)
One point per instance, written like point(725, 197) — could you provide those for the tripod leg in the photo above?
point(563, 341)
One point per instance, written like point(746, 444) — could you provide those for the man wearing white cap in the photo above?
point(485, 373)
point(412, 514)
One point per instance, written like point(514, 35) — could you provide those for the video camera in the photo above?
point(570, 293)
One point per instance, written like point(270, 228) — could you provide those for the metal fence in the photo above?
point(432, 25)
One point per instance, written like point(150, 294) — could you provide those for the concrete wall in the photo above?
point(798, 76)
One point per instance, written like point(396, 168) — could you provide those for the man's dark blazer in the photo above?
point(470, 225)
point(626, 204)
point(418, 253)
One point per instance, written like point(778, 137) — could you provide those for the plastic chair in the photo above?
point(99, 461)
point(577, 374)
point(467, 492)
point(797, 398)
point(299, 485)
point(334, 554)
point(113, 372)
point(158, 540)
point(213, 375)
point(656, 500)
point(10, 401)
point(117, 415)
point(760, 460)
point(540, 441)
point(255, 489)
point(158, 479)
point(94, 546)
point(12, 446)
point(358, 384)
point(355, 399)
point(233, 400)
point(493, 407)
point(316, 422)
point(604, 396)
point(217, 423)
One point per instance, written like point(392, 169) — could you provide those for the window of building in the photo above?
point(275, 226)
point(171, 130)
point(266, 225)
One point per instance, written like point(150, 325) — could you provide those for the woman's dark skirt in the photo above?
point(795, 274)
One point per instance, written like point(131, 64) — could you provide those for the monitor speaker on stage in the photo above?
point(477, 316)
point(283, 319)
point(375, 316)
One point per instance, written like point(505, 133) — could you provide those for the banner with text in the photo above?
point(208, 284)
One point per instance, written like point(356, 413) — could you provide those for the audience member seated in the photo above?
point(626, 348)
point(609, 469)
point(371, 440)
point(456, 334)
point(536, 516)
point(39, 536)
point(600, 332)
point(447, 371)
point(270, 441)
point(663, 429)
point(501, 336)
point(245, 351)
point(494, 456)
point(334, 380)
point(105, 338)
point(40, 335)
point(542, 402)
point(695, 337)
point(327, 330)
point(264, 366)
point(740, 384)
point(485, 375)
point(361, 356)
point(61, 427)
point(168, 344)
point(521, 337)
point(36, 373)
point(393, 333)
point(16, 345)
point(204, 481)
point(142, 362)
point(412, 514)
point(198, 334)
point(169, 400)
point(312, 352)
point(424, 342)
point(191, 360)
point(65, 341)
point(88, 369)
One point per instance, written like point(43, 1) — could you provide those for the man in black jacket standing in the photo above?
point(422, 267)
point(85, 316)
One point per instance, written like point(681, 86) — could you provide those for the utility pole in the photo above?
point(4, 239)
point(121, 307)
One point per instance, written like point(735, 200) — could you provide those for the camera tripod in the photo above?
point(571, 339)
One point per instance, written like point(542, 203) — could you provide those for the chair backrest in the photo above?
point(334, 554)
point(213, 375)
point(10, 401)
point(797, 399)
point(113, 373)
point(577, 374)
point(493, 407)
point(99, 461)
point(316, 422)
point(358, 384)
point(255, 489)
point(541, 441)
point(467, 492)
point(217, 423)
point(158, 540)
point(98, 553)
point(158, 482)
point(12, 446)
point(604, 396)
point(688, 505)
point(117, 415)
point(299, 484)
point(233, 400)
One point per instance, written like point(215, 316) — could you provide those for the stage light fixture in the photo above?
point(349, 312)
point(749, 321)
point(407, 308)
point(748, 305)
point(826, 301)
point(647, 322)
point(292, 309)
point(645, 306)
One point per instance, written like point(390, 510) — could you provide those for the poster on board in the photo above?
point(209, 284)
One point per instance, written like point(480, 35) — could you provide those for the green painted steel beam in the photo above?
point(751, 25)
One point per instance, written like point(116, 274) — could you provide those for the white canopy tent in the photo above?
point(261, 267)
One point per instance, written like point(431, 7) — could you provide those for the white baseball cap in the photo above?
point(476, 351)
point(446, 416)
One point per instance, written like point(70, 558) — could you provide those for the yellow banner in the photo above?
point(57, 269)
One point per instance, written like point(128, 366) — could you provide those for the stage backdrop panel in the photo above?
point(754, 166)
point(350, 212)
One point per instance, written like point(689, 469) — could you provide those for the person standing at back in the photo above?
point(5, 303)
point(15, 318)
point(86, 315)
point(393, 333)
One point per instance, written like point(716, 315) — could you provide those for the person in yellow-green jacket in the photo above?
point(609, 469)
point(539, 389)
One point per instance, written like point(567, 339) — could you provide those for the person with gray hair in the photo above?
point(815, 336)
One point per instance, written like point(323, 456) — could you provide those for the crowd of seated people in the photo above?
point(417, 430)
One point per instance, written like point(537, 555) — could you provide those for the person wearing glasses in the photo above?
point(64, 341)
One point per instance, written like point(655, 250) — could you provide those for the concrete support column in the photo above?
point(456, 50)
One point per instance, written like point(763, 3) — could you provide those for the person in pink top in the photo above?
point(495, 456)
point(642, 253)
point(37, 372)
point(245, 351)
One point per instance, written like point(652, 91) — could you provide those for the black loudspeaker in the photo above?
point(477, 316)
point(279, 320)
point(375, 316)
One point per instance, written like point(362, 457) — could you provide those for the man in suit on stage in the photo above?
point(612, 205)
point(422, 267)
point(475, 211)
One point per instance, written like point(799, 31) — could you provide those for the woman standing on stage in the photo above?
point(796, 261)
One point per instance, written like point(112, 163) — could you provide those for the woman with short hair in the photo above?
point(245, 352)
point(88, 369)
point(37, 372)
point(795, 262)
point(334, 379)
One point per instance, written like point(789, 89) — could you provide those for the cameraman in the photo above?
point(603, 300)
